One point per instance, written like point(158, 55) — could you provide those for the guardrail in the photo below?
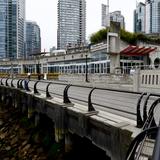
point(125, 103)
point(156, 153)
point(149, 131)
point(117, 101)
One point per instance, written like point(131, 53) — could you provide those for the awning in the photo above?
point(137, 51)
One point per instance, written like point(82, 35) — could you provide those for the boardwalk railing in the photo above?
point(142, 146)
point(136, 106)
point(132, 105)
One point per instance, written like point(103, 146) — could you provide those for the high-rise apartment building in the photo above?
point(12, 18)
point(104, 15)
point(33, 38)
point(71, 23)
point(151, 17)
point(139, 18)
point(115, 16)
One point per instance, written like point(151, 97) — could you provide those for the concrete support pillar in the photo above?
point(136, 80)
point(22, 69)
point(37, 119)
point(114, 62)
point(24, 108)
point(35, 68)
point(41, 70)
point(30, 112)
point(59, 134)
point(113, 47)
point(68, 142)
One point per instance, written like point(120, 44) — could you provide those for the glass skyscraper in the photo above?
point(149, 16)
point(33, 38)
point(12, 18)
point(71, 23)
point(139, 18)
point(152, 16)
point(116, 16)
point(3, 31)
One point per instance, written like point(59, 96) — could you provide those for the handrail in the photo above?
point(26, 85)
point(35, 87)
point(12, 83)
point(147, 127)
point(6, 82)
point(145, 107)
point(134, 144)
point(65, 94)
point(18, 83)
point(47, 92)
point(1, 81)
point(156, 151)
point(21, 85)
point(151, 114)
point(90, 105)
point(139, 117)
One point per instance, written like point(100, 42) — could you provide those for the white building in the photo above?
point(71, 23)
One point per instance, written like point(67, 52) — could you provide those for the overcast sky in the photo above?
point(44, 12)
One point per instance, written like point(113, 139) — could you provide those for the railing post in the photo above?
point(47, 92)
point(35, 88)
point(145, 108)
point(139, 117)
point(12, 83)
point(26, 85)
point(134, 144)
point(1, 81)
point(7, 82)
point(21, 85)
point(65, 95)
point(90, 106)
point(150, 117)
point(156, 151)
point(18, 86)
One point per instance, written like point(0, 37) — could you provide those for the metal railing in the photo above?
point(112, 100)
point(149, 131)
point(143, 110)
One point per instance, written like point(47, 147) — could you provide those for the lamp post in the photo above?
point(11, 73)
point(86, 77)
point(37, 65)
point(86, 68)
point(38, 69)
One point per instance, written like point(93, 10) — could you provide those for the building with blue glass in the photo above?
point(147, 17)
point(139, 18)
point(33, 38)
point(12, 23)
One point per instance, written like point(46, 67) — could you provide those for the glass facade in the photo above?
point(20, 27)
point(148, 21)
point(33, 38)
point(12, 16)
point(3, 31)
point(147, 17)
point(139, 18)
point(155, 17)
point(71, 22)
point(152, 16)
point(117, 17)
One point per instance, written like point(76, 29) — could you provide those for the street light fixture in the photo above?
point(86, 68)
point(86, 77)
point(37, 55)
